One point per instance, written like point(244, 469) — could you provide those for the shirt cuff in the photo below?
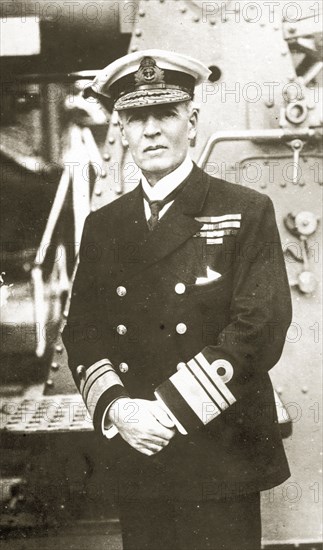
point(109, 429)
point(198, 393)
point(100, 385)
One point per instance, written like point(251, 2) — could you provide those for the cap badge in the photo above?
point(149, 73)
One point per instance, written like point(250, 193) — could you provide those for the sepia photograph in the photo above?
point(161, 275)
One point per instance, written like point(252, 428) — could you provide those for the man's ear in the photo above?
point(193, 119)
point(124, 140)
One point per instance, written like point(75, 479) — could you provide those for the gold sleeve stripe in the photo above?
point(99, 387)
point(90, 381)
point(90, 370)
point(192, 392)
point(209, 386)
point(93, 376)
point(220, 381)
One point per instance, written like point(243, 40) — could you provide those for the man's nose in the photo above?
point(152, 126)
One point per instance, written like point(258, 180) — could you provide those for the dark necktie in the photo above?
point(156, 206)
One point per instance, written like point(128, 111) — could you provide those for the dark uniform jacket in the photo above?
point(140, 323)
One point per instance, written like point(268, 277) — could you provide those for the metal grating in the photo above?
point(62, 413)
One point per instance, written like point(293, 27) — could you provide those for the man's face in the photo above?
point(158, 136)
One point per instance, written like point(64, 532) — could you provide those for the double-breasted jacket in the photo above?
point(195, 313)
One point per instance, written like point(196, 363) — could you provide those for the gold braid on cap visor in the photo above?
point(155, 96)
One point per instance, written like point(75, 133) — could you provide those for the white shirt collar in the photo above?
point(168, 183)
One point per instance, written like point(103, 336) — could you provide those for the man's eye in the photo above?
point(166, 114)
point(133, 118)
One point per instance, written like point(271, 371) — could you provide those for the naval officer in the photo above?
point(179, 309)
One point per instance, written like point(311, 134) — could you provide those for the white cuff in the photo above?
point(109, 429)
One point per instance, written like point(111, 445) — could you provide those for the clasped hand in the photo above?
point(143, 424)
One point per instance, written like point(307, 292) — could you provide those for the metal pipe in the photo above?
point(58, 77)
point(52, 98)
point(40, 309)
point(40, 306)
point(92, 149)
point(252, 135)
point(80, 184)
point(312, 72)
point(54, 215)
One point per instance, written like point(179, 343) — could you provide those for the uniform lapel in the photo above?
point(176, 226)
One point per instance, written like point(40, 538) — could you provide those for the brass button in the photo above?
point(181, 328)
point(180, 288)
point(181, 365)
point(122, 330)
point(123, 367)
point(121, 291)
point(80, 370)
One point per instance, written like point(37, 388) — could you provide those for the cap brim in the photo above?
point(145, 98)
